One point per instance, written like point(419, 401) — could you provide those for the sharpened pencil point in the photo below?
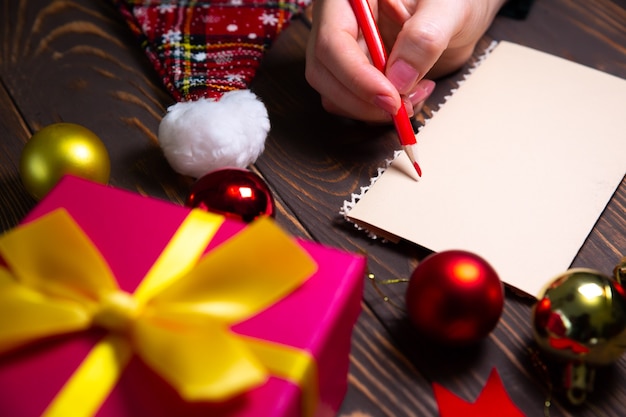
point(410, 153)
point(417, 169)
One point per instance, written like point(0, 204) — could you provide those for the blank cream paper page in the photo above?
point(518, 165)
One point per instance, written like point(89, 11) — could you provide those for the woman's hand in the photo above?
point(425, 39)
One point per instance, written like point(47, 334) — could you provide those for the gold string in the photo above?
point(385, 297)
point(541, 368)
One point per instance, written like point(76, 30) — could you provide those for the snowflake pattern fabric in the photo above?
point(202, 49)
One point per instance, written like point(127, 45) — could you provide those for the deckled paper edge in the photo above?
point(348, 205)
point(355, 197)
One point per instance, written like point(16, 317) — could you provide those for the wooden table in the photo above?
point(76, 61)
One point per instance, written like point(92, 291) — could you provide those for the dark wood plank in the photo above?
point(14, 201)
point(326, 159)
point(76, 61)
point(67, 61)
point(382, 381)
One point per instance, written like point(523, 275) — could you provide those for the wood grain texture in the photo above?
point(14, 200)
point(331, 158)
point(76, 61)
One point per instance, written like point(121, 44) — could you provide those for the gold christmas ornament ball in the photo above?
point(581, 321)
point(582, 316)
point(61, 149)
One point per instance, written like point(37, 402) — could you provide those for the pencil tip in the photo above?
point(417, 169)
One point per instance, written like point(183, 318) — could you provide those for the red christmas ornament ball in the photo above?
point(232, 192)
point(454, 297)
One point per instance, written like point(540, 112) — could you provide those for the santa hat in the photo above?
point(207, 53)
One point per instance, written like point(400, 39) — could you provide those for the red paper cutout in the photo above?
point(493, 401)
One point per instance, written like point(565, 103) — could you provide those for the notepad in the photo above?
point(518, 165)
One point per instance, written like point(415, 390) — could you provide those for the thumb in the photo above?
point(421, 42)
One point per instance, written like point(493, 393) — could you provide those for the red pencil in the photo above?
point(367, 23)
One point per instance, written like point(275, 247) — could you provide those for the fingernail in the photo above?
point(402, 76)
point(386, 103)
point(408, 106)
point(423, 90)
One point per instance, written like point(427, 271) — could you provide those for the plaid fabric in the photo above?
point(206, 48)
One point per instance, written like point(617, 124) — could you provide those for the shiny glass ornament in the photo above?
point(454, 297)
point(580, 319)
point(236, 193)
point(60, 149)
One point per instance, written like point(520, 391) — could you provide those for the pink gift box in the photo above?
point(130, 231)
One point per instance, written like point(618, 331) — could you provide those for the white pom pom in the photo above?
point(204, 135)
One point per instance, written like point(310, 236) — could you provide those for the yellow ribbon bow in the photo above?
point(177, 320)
